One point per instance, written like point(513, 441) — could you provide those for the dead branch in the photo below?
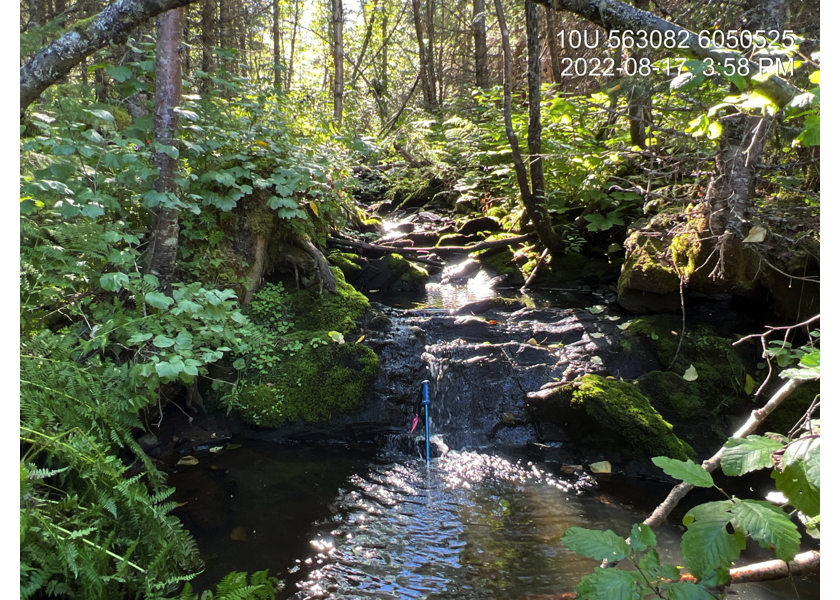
point(802, 564)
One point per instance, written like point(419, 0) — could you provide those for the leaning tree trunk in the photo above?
point(163, 246)
point(479, 31)
point(111, 26)
point(338, 60)
point(535, 213)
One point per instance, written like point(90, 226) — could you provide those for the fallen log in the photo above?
point(770, 570)
point(389, 250)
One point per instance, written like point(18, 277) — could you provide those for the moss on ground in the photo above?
point(312, 383)
point(620, 408)
point(346, 261)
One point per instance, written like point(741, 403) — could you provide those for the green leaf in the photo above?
point(159, 300)
point(653, 569)
point(688, 471)
point(642, 537)
point(609, 584)
point(683, 590)
point(112, 282)
point(138, 338)
point(748, 454)
point(168, 370)
point(597, 544)
point(121, 74)
point(794, 484)
point(811, 135)
point(749, 384)
point(162, 341)
point(92, 210)
point(770, 526)
point(687, 81)
point(707, 545)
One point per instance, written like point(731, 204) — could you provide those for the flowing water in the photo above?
point(375, 521)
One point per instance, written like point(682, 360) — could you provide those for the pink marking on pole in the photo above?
point(414, 424)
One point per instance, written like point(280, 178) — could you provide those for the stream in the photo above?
point(353, 519)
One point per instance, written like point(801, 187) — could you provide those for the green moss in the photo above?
point(406, 270)
point(669, 392)
point(328, 312)
point(645, 269)
point(312, 383)
point(346, 261)
point(621, 409)
point(121, 118)
point(721, 370)
point(497, 212)
point(685, 250)
point(500, 261)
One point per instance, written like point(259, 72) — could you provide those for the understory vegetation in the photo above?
point(174, 233)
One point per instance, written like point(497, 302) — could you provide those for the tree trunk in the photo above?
point(427, 82)
point(383, 65)
point(430, 52)
point(111, 26)
point(770, 15)
point(365, 43)
point(292, 46)
point(479, 31)
point(338, 60)
point(163, 245)
point(533, 209)
point(208, 34)
point(553, 50)
point(275, 36)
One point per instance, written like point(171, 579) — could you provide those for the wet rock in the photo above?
point(460, 272)
point(482, 306)
point(379, 323)
point(474, 226)
point(403, 227)
point(148, 442)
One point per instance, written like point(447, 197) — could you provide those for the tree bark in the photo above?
point(425, 55)
point(275, 37)
point(163, 245)
point(365, 43)
point(208, 31)
point(111, 26)
point(292, 46)
point(553, 50)
point(338, 60)
point(612, 14)
point(479, 31)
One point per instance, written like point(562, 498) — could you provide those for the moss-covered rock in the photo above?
point(646, 269)
point(611, 415)
point(501, 262)
point(311, 311)
point(721, 369)
point(670, 393)
point(622, 410)
point(346, 261)
point(407, 271)
point(317, 380)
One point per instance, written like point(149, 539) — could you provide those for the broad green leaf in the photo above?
point(121, 74)
point(138, 338)
point(162, 341)
point(642, 537)
point(801, 494)
point(749, 384)
point(92, 210)
point(653, 569)
point(688, 471)
point(609, 584)
point(707, 545)
point(112, 282)
point(184, 339)
point(159, 300)
point(811, 135)
point(167, 370)
point(769, 525)
point(101, 114)
point(597, 544)
point(683, 590)
point(690, 373)
point(748, 454)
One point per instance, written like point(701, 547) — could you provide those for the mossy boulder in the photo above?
point(314, 311)
point(721, 368)
point(318, 380)
point(501, 262)
point(407, 271)
point(669, 393)
point(602, 413)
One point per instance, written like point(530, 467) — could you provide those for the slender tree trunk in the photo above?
point(536, 212)
point(275, 34)
point(338, 60)
point(383, 65)
point(163, 245)
point(365, 43)
point(208, 34)
point(424, 52)
point(430, 51)
point(553, 49)
point(290, 72)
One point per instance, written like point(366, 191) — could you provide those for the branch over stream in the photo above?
point(519, 239)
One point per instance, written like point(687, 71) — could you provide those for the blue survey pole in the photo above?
point(426, 402)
